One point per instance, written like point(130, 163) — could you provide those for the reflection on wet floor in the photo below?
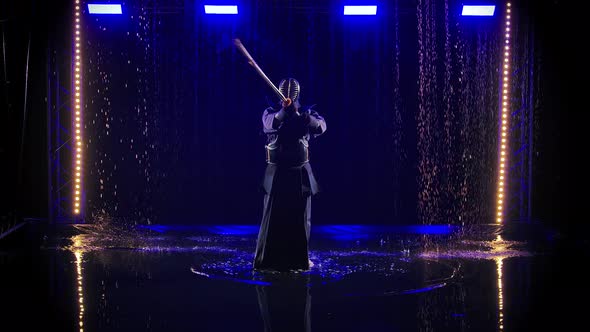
point(225, 252)
point(364, 278)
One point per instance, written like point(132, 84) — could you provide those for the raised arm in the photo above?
point(317, 123)
point(269, 121)
point(272, 120)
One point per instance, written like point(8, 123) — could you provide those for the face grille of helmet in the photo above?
point(289, 87)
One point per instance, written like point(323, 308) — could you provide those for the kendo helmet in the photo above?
point(290, 88)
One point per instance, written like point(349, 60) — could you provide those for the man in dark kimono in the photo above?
point(289, 183)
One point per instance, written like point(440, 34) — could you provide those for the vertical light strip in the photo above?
point(77, 114)
point(504, 118)
point(80, 288)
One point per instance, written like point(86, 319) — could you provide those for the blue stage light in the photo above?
point(360, 10)
point(216, 9)
point(479, 10)
point(104, 8)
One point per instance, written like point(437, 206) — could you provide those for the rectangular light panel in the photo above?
point(487, 10)
point(104, 9)
point(214, 9)
point(360, 10)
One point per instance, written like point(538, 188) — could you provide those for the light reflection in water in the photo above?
point(220, 257)
point(79, 259)
point(76, 248)
point(500, 295)
point(500, 246)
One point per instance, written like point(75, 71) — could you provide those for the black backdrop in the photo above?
point(391, 189)
point(173, 110)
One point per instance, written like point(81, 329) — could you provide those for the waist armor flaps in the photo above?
point(287, 154)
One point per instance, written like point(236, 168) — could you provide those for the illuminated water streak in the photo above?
point(426, 120)
point(120, 144)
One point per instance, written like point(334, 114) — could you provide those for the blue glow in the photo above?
point(223, 257)
point(429, 229)
point(421, 290)
point(356, 232)
point(335, 232)
point(215, 9)
point(479, 10)
point(360, 10)
point(233, 229)
point(343, 232)
point(209, 229)
point(104, 8)
point(164, 228)
point(157, 228)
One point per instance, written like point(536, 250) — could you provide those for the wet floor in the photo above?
point(364, 278)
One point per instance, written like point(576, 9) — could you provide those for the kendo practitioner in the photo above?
point(288, 184)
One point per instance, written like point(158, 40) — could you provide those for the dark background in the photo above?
point(36, 28)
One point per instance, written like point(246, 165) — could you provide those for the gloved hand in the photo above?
point(287, 102)
point(287, 110)
point(288, 106)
